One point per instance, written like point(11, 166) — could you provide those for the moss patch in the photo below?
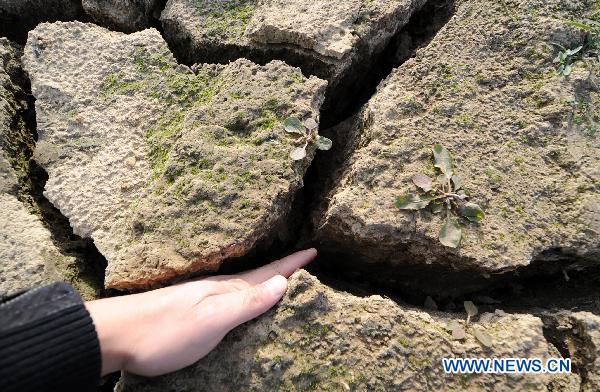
point(225, 19)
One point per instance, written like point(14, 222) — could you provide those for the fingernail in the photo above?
point(312, 250)
point(277, 285)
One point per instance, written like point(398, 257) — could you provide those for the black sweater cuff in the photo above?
point(48, 342)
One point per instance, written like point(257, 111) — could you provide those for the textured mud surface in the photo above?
point(168, 169)
point(152, 156)
point(493, 99)
point(577, 335)
point(27, 254)
point(320, 339)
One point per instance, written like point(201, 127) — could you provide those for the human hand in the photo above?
point(164, 330)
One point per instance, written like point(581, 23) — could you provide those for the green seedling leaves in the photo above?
point(308, 132)
point(572, 52)
point(443, 160)
point(451, 325)
point(560, 58)
point(484, 338)
point(298, 153)
point(470, 308)
point(437, 207)
point(423, 182)
point(411, 201)
point(472, 212)
point(324, 143)
point(450, 233)
point(293, 125)
point(564, 59)
point(442, 179)
point(457, 331)
point(447, 195)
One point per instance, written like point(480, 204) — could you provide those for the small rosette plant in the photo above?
point(306, 132)
point(446, 195)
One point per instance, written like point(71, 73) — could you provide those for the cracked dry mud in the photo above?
point(162, 154)
point(334, 40)
point(169, 169)
point(321, 339)
point(484, 89)
point(27, 254)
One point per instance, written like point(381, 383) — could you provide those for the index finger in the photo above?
point(285, 267)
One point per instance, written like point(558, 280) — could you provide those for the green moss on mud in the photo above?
point(178, 90)
point(225, 19)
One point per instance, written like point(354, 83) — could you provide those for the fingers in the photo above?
point(244, 305)
point(285, 267)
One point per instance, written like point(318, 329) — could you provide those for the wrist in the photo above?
point(114, 322)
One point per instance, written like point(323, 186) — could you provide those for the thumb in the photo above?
point(244, 305)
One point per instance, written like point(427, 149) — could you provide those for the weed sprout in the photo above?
point(444, 194)
point(306, 133)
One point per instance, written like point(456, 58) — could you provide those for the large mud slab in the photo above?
point(523, 147)
point(321, 339)
point(170, 170)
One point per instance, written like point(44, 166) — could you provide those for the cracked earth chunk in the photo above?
point(321, 339)
point(170, 170)
point(485, 88)
point(326, 37)
point(123, 15)
point(578, 334)
point(27, 254)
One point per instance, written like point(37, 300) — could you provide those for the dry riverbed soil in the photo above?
point(146, 142)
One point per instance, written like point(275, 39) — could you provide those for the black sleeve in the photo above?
point(48, 342)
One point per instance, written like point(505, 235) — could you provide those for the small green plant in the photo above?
point(588, 51)
point(565, 60)
point(445, 194)
point(306, 133)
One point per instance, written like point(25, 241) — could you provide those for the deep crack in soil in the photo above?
point(86, 273)
point(533, 286)
point(533, 289)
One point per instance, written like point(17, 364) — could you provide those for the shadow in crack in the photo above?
point(86, 273)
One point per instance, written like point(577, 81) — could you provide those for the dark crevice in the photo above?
point(15, 25)
point(155, 20)
point(529, 289)
point(517, 291)
point(86, 272)
point(325, 170)
point(347, 91)
point(422, 27)
point(571, 341)
point(150, 18)
point(362, 80)
point(553, 282)
point(541, 284)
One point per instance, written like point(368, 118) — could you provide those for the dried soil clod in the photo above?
point(520, 155)
point(170, 170)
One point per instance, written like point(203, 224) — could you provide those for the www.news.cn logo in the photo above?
point(506, 365)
